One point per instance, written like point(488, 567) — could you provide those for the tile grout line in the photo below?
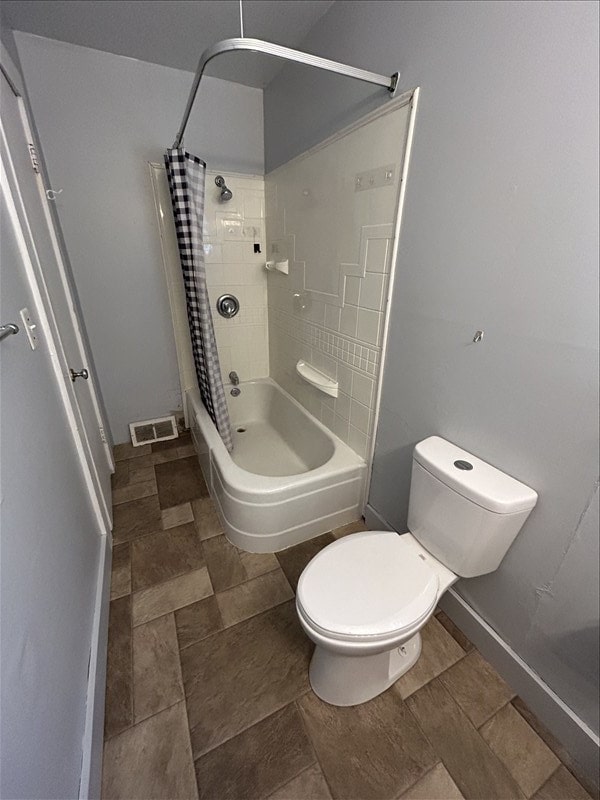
point(549, 778)
point(560, 760)
point(486, 743)
point(240, 732)
point(187, 719)
point(293, 778)
point(145, 719)
point(313, 748)
point(425, 774)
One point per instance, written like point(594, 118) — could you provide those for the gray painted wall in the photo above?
point(49, 565)
point(101, 118)
point(499, 233)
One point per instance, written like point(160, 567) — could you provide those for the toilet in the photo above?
point(364, 598)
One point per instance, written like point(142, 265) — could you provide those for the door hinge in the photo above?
point(103, 435)
point(34, 159)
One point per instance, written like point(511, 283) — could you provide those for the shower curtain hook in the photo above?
point(52, 194)
point(241, 20)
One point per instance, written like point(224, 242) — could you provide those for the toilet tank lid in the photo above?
point(473, 478)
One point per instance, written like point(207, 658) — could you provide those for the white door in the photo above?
point(24, 190)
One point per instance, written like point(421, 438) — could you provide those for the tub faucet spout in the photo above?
point(233, 377)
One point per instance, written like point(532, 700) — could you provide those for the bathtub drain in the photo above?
point(241, 430)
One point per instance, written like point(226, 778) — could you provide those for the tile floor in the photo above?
point(208, 693)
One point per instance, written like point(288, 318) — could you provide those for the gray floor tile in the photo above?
point(561, 786)
point(243, 674)
point(164, 597)
point(477, 772)
point(253, 597)
point(373, 750)
point(177, 515)
point(179, 481)
point(119, 676)
point(436, 785)
point(135, 519)
point(557, 747)
point(257, 761)
point(156, 671)
point(151, 761)
point(197, 621)
point(134, 491)
point(257, 564)
point(477, 688)
point(309, 785)
point(224, 563)
point(120, 582)
point(123, 452)
point(520, 749)
point(165, 555)
point(206, 518)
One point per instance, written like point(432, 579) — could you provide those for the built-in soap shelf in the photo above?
point(278, 266)
point(317, 379)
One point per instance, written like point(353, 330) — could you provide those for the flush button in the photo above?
point(463, 465)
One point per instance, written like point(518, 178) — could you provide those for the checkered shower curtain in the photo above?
point(186, 175)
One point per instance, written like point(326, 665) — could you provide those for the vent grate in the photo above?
point(153, 430)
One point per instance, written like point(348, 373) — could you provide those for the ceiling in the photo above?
point(171, 32)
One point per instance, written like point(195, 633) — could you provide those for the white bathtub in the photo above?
point(288, 478)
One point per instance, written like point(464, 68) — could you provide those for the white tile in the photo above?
point(332, 317)
point(329, 366)
point(327, 416)
point(235, 252)
point(230, 226)
point(363, 389)
point(254, 274)
point(213, 253)
point(360, 416)
point(371, 291)
point(253, 204)
point(340, 428)
point(342, 405)
point(316, 312)
point(352, 290)
point(255, 295)
point(376, 259)
point(348, 320)
point(344, 376)
point(368, 326)
point(358, 441)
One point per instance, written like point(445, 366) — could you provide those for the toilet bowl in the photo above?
point(363, 602)
point(364, 598)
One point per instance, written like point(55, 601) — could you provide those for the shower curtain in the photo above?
point(186, 175)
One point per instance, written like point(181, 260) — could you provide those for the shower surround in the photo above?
point(231, 231)
point(331, 213)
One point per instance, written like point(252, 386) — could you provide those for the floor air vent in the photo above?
point(153, 430)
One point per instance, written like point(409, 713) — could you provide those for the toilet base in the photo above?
point(343, 680)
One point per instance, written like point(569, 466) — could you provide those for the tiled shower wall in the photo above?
point(340, 235)
point(231, 230)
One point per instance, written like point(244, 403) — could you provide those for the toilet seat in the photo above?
point(367, 587)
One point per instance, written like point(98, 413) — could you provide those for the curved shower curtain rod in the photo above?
point(278, 51)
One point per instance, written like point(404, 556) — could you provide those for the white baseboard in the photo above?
point(577, 738)
point(93, 737)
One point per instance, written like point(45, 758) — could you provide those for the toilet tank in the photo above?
point(465, 512)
